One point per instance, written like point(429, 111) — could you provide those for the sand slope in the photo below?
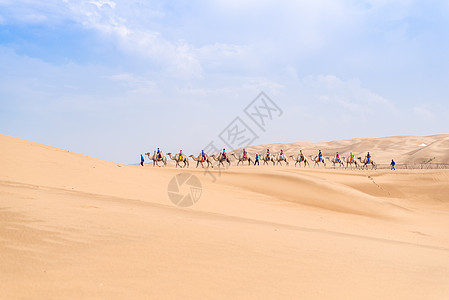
point(73, 226)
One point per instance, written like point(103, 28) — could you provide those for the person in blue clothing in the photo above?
point(203, 155)
point(158, 153)
point(141, 160)
point(392, 164)
point(337, 157)
point(368, 157)
point(320, 156)
point(257, 159)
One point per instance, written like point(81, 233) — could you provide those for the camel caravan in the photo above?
point(223, 159)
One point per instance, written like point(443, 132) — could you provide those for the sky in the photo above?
point(114, 79)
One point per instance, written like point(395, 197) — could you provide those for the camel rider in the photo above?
point(368, 156)
point(281, 155)
point(301, 155)
point(244, 153)
point(203, 155)
point(180, 154)
point(223, 154)
point(158, 153)
point(320, 156)
point(351, 156)
point(337, 157)
point(268, 154)
point(257, 159)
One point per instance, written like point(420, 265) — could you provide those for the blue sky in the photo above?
point(113, 79)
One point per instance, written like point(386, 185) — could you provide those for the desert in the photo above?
point(74, 226)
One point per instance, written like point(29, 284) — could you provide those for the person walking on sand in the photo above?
point(141, 160)
point(392, 164)
point(257, 159)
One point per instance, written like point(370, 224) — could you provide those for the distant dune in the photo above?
point(403, 149)
point(77, 227)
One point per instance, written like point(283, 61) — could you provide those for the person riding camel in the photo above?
point(203, 155)
point(351, 157)
point(223, 154)
point(320, 156)
point(180, 154)
point(368, 157)
point(337, 157)
point(268, 154)
point(158, 153)
point(301, 156)
point(281, 154)
point(244, 153)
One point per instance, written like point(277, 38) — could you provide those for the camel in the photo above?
point(300, 159)
point(221, 160)
point(364, 163)
point(349, 162)
point(317, 162)
point(199, 160)
point(155, 159)
point(241, 159)
point(280, 159)
point(179, 159)
point(340, 162)
point(265, 160)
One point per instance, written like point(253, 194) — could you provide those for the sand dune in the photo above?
point(73, 226)
point(403, 149)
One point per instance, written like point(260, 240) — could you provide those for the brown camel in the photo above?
point(364, 163)
point(279, 159)
point(155, 159)
point(199, 160)
point(300, 159)
point(179, 159)
point(221, 159)
point(266, 159)
point(351, 162)
point(340, 162)
point(317, 161)
point(241, 159)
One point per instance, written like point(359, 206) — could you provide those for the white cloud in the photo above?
point(348, 95)
point(423, 113)
point(99, 4)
